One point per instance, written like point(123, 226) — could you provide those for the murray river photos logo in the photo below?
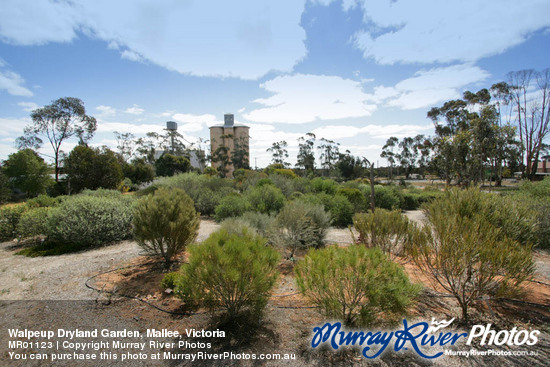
point(419, 337)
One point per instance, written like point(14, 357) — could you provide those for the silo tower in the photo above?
point(172, 127)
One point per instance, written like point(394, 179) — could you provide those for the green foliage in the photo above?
point(42, 201)
point(266, 199)
point(513, 218)
point(355, 284)
point(33, 223)
point(301, 225)
point(328, 186)
point(169, 280)
point(469, 248)
point(339, 207)
point(92, 168)
point(386, 197)
point(165, 223)
point(355, 197)
point(229, 271)
point(139, 171)
point(169, 165)
point(86, 220)
point(28, 172)
point(233, 205)
point(5, 191)
point(387, 230)
point(260, 222)
point(9, 219)
point(205, 191)
point(539, 190)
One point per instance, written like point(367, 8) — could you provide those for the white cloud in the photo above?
point(429, 31)
point(303, 98)
point(191, 123)
point(12, 83)
point(109, 127)
point(428, 87)
point(106, 110)
point(28, 106)
point(251, 37)
point(11, 126)
point(335, 132)
point(134, 110)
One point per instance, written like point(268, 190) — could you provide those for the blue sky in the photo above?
point(354, 71)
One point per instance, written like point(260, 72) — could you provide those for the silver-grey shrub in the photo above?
point(87, 220)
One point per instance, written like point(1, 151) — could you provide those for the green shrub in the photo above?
point(539, 189)
point(42, 201)
point(266, 199)
point(326, 185)
point(229, 271)
point(386, 197)
point(233, 205)
point(33, 223)
point(165, 223)
point(205, 191)
point(301, 225)
point(355, 197)
point(9, 219)
point(339, 207)
point(284, 183)
point(411, 201)
point(103, 193)
point(88, 220)
point(513, 218)
point(169, 280)
point(260, 222)
point(387, 230)
point(354, 284)
point(465, 250)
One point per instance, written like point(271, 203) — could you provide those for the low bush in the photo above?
point(261, 223)
point(9, 219)
point(42, 201)
point(385, 229)
point(233, 205)
point(355, 197)
point(266, 198)
point(387, 197)
point(326, 185)
point(464, 249)
point(205, 191)
point(91, 220)
point(33, 223)
point(355, 284)
point(339, 207)
point(169, 280)
point(301, 225)
point(165, 223)
point(230, 271)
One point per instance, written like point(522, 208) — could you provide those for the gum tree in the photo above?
point(59, 121)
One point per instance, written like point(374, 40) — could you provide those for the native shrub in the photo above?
point(260, 222)
point(165, 223)
point(328, 186)
point(230, 271)
point(386, 197)
point(266, 198)
point(87, 220)
point(387, 230)
point(33, 223)
point(233, 205)
point(339, 207)
point(355, 197)
point(355, 284)
point(9, 219)
point(42, 201)
point(301, 225)
point(463, 249)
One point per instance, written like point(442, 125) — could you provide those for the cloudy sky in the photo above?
point(354, 71)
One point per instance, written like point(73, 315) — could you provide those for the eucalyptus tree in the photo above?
point(59, 121)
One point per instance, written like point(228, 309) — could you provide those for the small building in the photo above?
point(225, 139)
point(543, 167)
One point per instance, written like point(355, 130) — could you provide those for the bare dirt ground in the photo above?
point(50, 292)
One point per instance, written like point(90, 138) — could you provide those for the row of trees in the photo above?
point(331, 159)
point(504, 126)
